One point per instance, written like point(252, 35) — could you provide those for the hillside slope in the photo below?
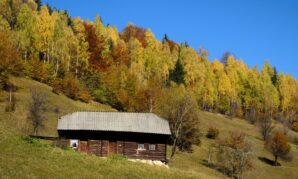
point(22, 159)
point(196, 161)
point(57, 105)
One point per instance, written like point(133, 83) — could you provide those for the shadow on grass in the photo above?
point(268, 161)
point(215, 167)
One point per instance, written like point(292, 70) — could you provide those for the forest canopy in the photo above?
point(88, 60)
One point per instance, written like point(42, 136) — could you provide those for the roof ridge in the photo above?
point(115, 121)
point(115, 112)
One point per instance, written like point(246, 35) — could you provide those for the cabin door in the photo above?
point(112, 147)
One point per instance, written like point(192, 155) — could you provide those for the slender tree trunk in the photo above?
point(275, 160)
point(10, 95)
point(77, 65)
point(48, 55)
point(57, 67)
point(25, 55)
point(68, 63)
point(52, 52)
point(10, 99)
point(174, 146)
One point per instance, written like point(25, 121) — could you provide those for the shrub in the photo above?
point(33, 141)
point(72, 88)
point(212, 133)
point(234, 154)
point(57, 86)
point(294, 126)
point(278, 146)
point(117, 157)
point(84, 96)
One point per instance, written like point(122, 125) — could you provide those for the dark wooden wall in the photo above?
point(106, 143)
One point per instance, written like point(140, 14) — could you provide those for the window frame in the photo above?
point(74, 141)
point(141, 148)
point(152, 145)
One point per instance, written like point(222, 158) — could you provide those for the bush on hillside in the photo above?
point(279, 147)
point(295, 126)
point(212, 133)
point(72, 88)
point(234, 154)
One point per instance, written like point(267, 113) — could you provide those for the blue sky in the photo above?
point(253, 30)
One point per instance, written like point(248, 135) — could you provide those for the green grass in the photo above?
point(20, 159)
point(55, 103)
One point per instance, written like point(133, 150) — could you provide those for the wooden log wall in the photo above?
point(130, 149)
point(126, 148)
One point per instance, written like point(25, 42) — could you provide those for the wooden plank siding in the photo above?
point(104, 144)
point(104, 148)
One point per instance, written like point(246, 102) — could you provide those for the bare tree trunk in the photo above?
point(10, 96)
point(25, 55)
point(57, 67)
point(68, 63)
point(52, 52)
point(275, 160)
point(48, 54)
point(174, 146)
point(77, 65)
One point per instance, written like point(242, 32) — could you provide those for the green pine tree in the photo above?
point(177, 74)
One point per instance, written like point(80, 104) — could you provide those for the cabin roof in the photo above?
point(115, 121)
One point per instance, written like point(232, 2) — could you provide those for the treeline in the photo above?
point(132, 70)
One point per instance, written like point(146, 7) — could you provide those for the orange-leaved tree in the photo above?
point(278, 146)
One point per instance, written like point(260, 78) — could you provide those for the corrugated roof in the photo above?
point(115, 121)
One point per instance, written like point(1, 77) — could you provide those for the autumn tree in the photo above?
point(252, 96)
point(278, 146)
point(45, 25)
point(120, 53)
point(287, 87)
point(181, 110)
point(189, 59)
point(232, 73)
point(132, 31)
point(149, 94)
point(270, 98)
point(224, 93)
point(10, 63)
point(208, 92)
point(82, 54)
point(136, 58)
point(96, 41)
point(26, 22)
point(152, 56)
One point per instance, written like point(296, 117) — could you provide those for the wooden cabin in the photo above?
point(135, 135)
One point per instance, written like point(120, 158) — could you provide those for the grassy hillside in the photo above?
point(57, 105)
point(22, 159)
point(194, 162)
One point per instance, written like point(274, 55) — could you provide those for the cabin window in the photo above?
point(74, 143)
point(152, 146)
point(141, 146)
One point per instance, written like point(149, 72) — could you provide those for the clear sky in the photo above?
point(253, 30)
